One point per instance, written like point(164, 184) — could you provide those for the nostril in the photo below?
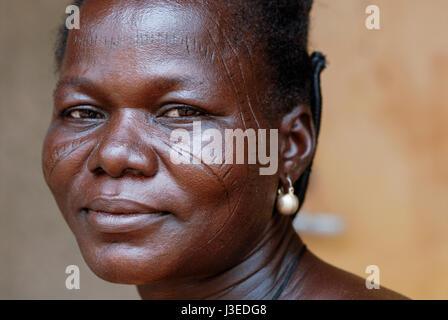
point(133, 172)
point(128, 171)
point(99, 171)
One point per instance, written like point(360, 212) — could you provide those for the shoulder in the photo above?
point(316, 279)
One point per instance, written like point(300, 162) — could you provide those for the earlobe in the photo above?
point(299, 142)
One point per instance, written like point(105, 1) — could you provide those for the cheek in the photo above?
point(227, 208)
point(63, 158)
point(205, 194)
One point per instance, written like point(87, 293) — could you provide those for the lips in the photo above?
point(118, 215)
point(119, 206)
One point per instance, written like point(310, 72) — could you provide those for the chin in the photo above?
point(119, 263)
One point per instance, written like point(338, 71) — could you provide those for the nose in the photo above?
point(124, 147)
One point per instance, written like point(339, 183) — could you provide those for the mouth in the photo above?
point(113, 215)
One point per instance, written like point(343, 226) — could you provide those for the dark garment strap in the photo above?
point(289, 274)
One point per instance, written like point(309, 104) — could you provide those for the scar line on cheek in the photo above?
point(65, 150)
point(231, 212)
point(208, 169)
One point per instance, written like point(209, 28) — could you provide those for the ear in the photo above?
point(298, 143)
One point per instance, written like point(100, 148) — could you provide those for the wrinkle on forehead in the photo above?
point(130, 17)
point(127, 28)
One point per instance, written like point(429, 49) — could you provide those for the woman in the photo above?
point(137, 71)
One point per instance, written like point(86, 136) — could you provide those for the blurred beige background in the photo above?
point(382, 162)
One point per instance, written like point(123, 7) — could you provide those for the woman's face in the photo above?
point(132, 74)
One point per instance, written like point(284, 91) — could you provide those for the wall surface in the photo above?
point(383, 153)
point(381, 163)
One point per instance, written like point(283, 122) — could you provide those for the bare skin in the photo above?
point(195, 231)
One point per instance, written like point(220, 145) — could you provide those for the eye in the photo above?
point(182, 111)
point(83, 113)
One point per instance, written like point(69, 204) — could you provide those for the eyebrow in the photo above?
point(161, 83)
point(78, 82)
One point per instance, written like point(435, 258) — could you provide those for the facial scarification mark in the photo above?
point(208, 170)
point(229, 75)
point(227, 172)
point(187, 46)
point(222, 165)
point(221, 180)
point(202, 49)
point(240, 69)
point(251, 61)
point(234, 182)
point(167, 39)
point(249, 100)
point(64, 150)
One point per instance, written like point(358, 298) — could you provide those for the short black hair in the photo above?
point(282, 26)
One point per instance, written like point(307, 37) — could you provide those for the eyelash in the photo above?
point(67, 113)
point(184, 109)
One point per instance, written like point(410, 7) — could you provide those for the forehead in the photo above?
point(139, 30)
point(115, 17)
point(180, 27)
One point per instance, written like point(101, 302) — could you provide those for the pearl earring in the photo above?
point(287, 203)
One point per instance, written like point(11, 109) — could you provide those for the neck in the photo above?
point(259, 275)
